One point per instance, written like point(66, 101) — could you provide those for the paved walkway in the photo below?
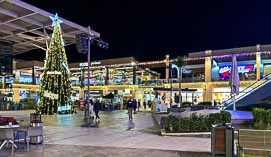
point(116, 138)
point(64, 131)
point(89, 151)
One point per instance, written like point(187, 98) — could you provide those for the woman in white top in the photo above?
point(90, 106)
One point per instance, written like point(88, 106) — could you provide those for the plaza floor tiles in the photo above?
point(115, 138)
point(64, 137)
point(90, 151)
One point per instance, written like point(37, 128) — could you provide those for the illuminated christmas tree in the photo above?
point(55, 84)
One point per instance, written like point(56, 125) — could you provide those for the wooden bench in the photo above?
point(254, 143)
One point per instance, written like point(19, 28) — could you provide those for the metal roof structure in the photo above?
point(27, 27)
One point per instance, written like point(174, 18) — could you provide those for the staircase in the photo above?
point(252, 94)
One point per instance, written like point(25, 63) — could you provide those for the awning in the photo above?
point(26, 27)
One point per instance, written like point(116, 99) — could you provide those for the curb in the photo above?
point(192, 134)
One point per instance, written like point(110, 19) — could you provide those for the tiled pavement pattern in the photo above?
point(64, 136)
point(89, 151)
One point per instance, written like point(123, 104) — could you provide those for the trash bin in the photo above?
point(222, 140)
point(229, 140)
point(36, 128)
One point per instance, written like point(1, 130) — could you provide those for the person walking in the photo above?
point(90, 107)
point(145, 105)
point(138, 105)
point(130, 108)
point(97, 109)
point(134, 105)
point(149, 104)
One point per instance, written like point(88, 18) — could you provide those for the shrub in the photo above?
point(29, 103)
point(187, 103)
point(220, 118)
point(261, 119)
point(196, 123)
point(205, 103)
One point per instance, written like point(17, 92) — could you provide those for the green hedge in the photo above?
point(29, 103)
point(261, 119)
point(205, 103)
point(196, 123)
point(187, 103)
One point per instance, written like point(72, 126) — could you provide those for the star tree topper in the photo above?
point(55, 20)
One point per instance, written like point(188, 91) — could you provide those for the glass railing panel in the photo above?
point(249, 89)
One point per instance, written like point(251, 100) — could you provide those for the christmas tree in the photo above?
point(55, 84)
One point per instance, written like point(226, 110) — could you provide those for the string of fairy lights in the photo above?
point(248, 54)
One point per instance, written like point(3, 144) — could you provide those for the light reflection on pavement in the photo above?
point(64, 136)
point(113, 120)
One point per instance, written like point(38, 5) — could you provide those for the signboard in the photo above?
point(224, 71)
point(92, 63)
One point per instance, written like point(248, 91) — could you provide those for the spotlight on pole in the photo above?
point(82, 42)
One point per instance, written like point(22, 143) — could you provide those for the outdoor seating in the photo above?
point(21, 137)
point(254, 143)
point(35, 132)
point(6, 136)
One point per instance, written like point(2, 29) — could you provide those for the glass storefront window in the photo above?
point(223, 93)
point(193, 75)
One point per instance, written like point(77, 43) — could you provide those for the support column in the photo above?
point(208, 66)
point(207, 91)
point(167, 68)
point(142, 75)
point(33, 75)
point(106, 75)
point(134, 74)
point(16, 95)
point(3, 82)
point(258, 65)
point(81, 93)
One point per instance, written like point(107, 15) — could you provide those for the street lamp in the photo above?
point(84, 42)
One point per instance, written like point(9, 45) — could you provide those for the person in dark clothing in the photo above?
point(145, 105)
point(130, 108)
point(134, 105)
point(149, 104)
point(138, 105)
point(97, 109)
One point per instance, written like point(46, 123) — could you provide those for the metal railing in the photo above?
point(256, 85)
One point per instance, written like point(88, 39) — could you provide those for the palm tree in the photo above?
point(180, 62)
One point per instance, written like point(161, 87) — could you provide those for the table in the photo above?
point(9, 129)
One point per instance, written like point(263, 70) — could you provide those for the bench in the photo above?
point(254, 143)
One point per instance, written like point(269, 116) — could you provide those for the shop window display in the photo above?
point(223, 93)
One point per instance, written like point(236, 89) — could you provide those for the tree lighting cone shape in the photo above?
point(55, 88)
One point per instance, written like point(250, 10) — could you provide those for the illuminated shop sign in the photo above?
point(224, 71)
point(25, 74)
point(92, 63)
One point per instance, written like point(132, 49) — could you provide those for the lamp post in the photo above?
point(84, 42)
point(170, 99)
point(89, 64)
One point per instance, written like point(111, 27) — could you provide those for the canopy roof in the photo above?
point(27, 27)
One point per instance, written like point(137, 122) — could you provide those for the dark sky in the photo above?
point(149, 29)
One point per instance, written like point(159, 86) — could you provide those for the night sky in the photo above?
point(149, 29)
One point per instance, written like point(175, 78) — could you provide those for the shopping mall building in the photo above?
point(205, 76)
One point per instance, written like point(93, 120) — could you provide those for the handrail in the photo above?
point(244, 92)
